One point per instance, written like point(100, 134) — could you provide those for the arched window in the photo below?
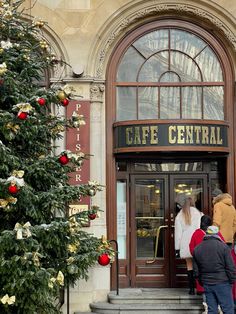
point(169, 73)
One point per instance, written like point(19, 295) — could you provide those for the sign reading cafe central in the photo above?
point(163, 134)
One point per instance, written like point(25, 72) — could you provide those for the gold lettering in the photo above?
point(205, 134)
point(137, 135)
point(219, 140)
point(181, 138)
point(189, 134)
point(78, 137)
point(128, 132)
point(172, 136)
point(197, 130)
point(154, 137)
point(145, 133)
point(213, 135)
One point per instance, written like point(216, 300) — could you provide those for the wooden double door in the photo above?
point(154, 202)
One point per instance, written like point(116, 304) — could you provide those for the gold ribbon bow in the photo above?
point(8, 300)
point(18, 174)
point(22, 231)
point(60, 278)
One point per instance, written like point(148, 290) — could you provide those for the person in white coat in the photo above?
point(186, 222)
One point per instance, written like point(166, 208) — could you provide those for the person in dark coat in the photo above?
point(197, 238)
point(214, 268)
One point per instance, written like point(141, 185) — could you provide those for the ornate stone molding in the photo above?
point(96, 92)
point(182, 9)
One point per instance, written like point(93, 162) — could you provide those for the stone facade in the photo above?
point(84, 33)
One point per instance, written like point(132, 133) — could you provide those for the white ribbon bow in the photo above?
point(22, 231)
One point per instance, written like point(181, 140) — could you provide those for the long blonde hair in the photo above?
point(186, 210)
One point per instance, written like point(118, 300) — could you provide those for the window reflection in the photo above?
point(176, 59)
point(121, 218)
point(172, 167)
point(126, 102)
point(193, 188)
point(149, 196)
point(148, 103)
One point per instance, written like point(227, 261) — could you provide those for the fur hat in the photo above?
point(212, 230)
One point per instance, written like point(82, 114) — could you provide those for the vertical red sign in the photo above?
point(78, 140)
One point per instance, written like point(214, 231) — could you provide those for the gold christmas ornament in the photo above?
point(61, 95)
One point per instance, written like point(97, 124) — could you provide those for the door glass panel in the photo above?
point(188, 187)
point(121, 218)
point(171, 166)
point(149, 215)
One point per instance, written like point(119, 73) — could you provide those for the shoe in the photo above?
point(205, 308)
point(191, 282)
point(219, 310)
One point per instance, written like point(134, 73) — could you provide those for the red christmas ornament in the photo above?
point(104, 259)
point(13, 189)
point(65, 102)
point(63, 159)
point(22, 115)
point(41, 101)
point(92, 216)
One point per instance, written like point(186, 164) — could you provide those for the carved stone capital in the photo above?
point(96, 92)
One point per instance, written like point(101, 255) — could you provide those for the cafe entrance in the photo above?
point(170, 124)
point(149, 196)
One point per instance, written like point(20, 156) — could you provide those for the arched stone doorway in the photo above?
point(162, 81)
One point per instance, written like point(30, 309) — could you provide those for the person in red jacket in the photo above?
point(197, 238)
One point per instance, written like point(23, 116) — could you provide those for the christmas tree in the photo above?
point(42, 247)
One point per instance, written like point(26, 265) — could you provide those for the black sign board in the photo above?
point(143, 135)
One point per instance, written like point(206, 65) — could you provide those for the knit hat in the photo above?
point(216, 192)
point(212, 230)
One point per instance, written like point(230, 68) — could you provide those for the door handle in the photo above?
point(156, 244)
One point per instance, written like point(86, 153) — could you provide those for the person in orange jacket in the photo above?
point(224, 215)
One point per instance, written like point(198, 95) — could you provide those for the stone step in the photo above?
point(158, 308)
point(146, 296)
point(149, 301)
